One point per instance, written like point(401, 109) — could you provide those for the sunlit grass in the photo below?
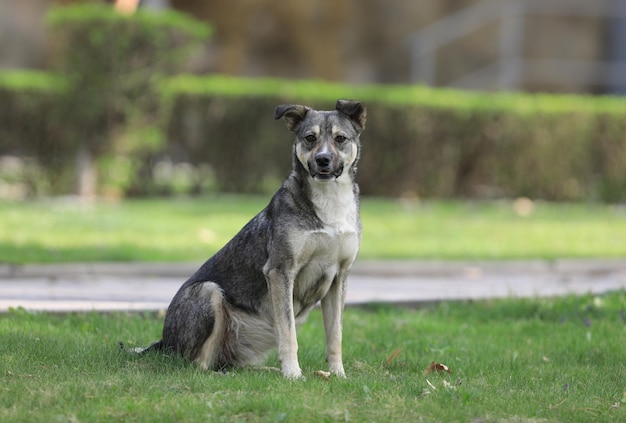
point(493, 230)
point(510, 361)
point(183, 229)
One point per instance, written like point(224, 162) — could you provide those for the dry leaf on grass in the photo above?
point(393, 356)
point(448, 385)
point(324, 375)
point(523, 206)
point(437, 368)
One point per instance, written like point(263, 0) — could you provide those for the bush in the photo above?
point(29, 130)
point(27, 99)
point(113, 63)
point(418, 141)
point(102, 100)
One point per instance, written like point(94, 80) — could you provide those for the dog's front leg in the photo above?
point(332, 311)
point(280, 286)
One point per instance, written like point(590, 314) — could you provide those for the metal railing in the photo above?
point(512, 69)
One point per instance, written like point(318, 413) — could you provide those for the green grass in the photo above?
point(492, 230)
point(511, 361)
point(193, 229)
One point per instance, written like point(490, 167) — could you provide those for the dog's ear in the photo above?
point(355, 110)
point(293, 114)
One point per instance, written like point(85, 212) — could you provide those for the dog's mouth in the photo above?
point(327, 174)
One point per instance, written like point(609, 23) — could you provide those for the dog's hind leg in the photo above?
point(194, 324)
point(212, 350)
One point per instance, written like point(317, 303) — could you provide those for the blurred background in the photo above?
point(135, 143)
point(533, 45)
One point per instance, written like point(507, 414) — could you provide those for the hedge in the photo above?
point(102, 98)
point(113, 62)
point(418, 141)
point(26, 123)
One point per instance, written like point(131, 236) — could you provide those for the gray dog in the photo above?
point(250, 296)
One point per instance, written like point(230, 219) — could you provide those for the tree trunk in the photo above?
point(86, 174)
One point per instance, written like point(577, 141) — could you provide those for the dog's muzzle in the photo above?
point(322, 167)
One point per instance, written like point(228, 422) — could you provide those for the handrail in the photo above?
point(457, 25)
point(510, 66)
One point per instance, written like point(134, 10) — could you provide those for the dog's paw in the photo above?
point(292, 373)
point(340, 375)
point(294, 376)
point(338, 371)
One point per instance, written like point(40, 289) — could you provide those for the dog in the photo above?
point(251, 295)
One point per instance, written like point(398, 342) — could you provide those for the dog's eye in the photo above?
point(310, 138)
point(340, 139)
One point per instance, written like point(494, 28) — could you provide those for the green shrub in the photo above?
point(28, 98)
point(418, 141)
point(102, 98)
point(113, 64)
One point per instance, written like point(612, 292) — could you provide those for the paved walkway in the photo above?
point(141, 286)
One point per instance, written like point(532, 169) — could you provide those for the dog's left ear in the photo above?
point(355, 110)
point(293, 114)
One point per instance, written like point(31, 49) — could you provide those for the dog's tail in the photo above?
point(157, 346)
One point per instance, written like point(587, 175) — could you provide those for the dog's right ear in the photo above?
point(293, 114)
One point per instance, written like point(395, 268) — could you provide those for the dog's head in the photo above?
point(327, 142)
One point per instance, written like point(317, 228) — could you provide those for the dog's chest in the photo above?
point(336, 208)
point(323, 251)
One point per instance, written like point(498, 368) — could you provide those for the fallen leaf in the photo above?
point(473, 273)
point(437, 368)
point(393, 356)
point(523, 206)
point(324, 375)
point(448, 385)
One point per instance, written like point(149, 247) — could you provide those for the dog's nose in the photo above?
point(322, 159)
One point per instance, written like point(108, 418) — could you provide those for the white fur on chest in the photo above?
point(335, 205)
point(324, 252)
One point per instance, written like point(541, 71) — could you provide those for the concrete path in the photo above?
point(141, 286)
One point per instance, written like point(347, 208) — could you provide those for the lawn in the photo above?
point(184, 229)
point(559, 360)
